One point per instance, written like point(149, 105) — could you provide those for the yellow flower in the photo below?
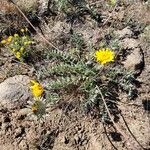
point(24, 37)
point(16, 35)
point(36, 88)
point(22, 30)
point(3, 42)
point(9, 39)
point(104, 56)
point(18, 55)
point(26, 29)
point(29, 42)
point(13, 49)
point(21, 49)
point(25, 43)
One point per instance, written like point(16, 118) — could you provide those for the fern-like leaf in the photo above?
point(61, 55)
point(64, 82)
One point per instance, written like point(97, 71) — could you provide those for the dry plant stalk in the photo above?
point(33, 26)
point(115, 125)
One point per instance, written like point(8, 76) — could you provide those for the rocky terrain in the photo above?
point(125, 25)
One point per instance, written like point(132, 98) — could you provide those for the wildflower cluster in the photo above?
point(19, 45)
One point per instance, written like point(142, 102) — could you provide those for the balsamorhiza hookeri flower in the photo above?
point(36, 88)
point(104, 56)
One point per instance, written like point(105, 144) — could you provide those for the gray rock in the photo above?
point(27, 5)
point(129, 43)
point(124, 33)
point(135, 61)
point(14, 91)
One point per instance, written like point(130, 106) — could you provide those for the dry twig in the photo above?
point(34, 27)
point(109, 114)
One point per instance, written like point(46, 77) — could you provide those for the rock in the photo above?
point(129, 43)
point(23, 112)
point(14, 91)
point(124, 33)
point(135, 61)
point(27, 5)
point(89, 34)
point(55, 32)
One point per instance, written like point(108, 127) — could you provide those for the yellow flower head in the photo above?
point(26, 29)
point(36, 88)
point(22, 30)
point(104, 56)
point(18, 55)
point(13, 49)
point(25, 43)
point(3, 42)
point(9, 39)
point(29, 42)
point(16, 35)
point(21, 49)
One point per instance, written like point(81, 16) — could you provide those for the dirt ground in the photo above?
point(71, 129)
